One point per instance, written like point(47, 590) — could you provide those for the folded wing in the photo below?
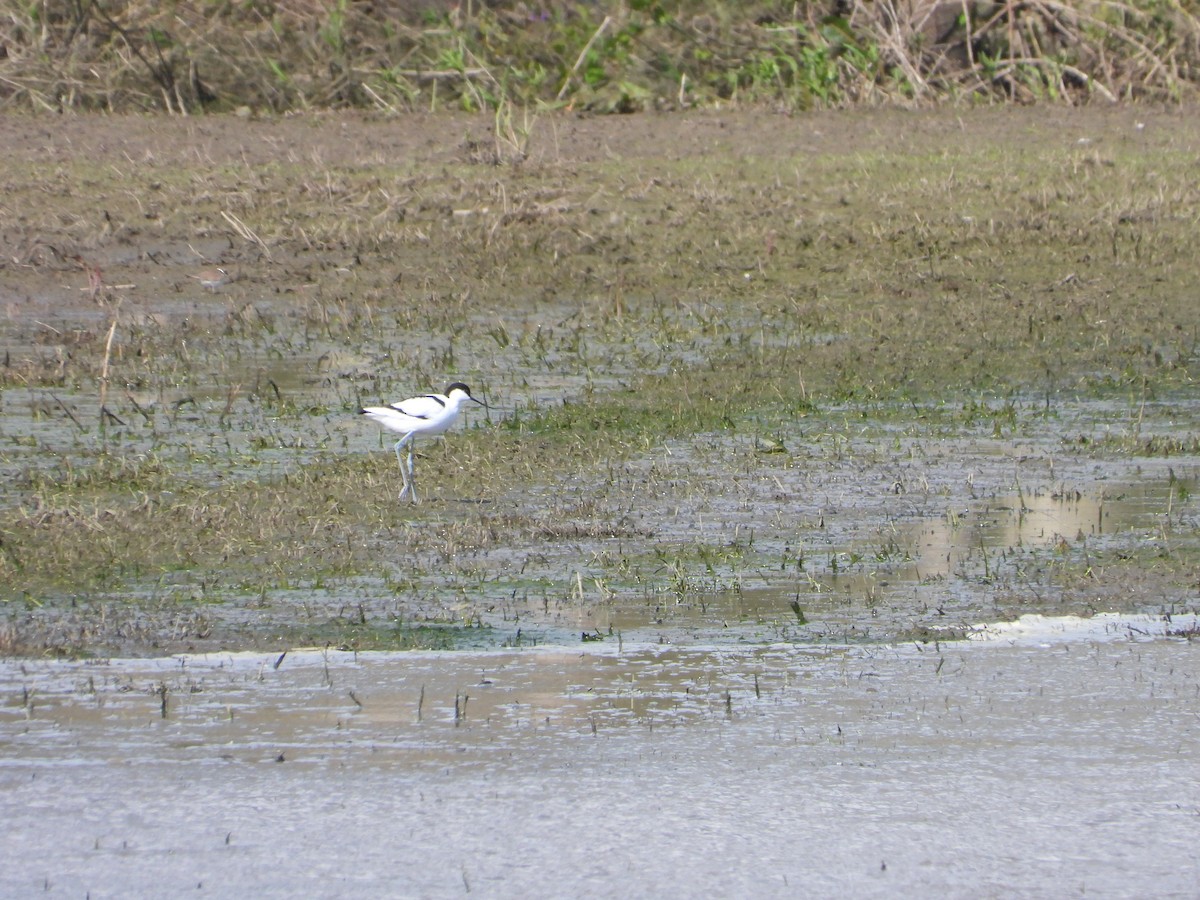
point(420, 407)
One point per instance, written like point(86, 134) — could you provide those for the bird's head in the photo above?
point(459, 388)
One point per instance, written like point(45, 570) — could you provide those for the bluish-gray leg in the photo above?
point(412, 482)
point(406, 473)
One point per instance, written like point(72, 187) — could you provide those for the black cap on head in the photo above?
point(462, 387)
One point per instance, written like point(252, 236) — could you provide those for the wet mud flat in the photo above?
point(1040, 757)
point(832, 526)
point(751, 378)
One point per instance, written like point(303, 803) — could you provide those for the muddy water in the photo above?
point(861, 562)
point(1039, 758)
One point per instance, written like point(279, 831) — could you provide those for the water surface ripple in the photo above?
point(1042, 757)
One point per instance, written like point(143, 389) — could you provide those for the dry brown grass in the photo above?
point(191, 56)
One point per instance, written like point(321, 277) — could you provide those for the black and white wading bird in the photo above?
point(430, 414)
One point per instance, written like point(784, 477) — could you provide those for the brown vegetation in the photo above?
point(123, 55)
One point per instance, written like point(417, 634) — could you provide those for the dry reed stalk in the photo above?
point(245, 232)
point(582, 56)
point(112, 330)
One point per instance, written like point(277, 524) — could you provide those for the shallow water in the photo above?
point(1042, 757)
point(874, 570)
